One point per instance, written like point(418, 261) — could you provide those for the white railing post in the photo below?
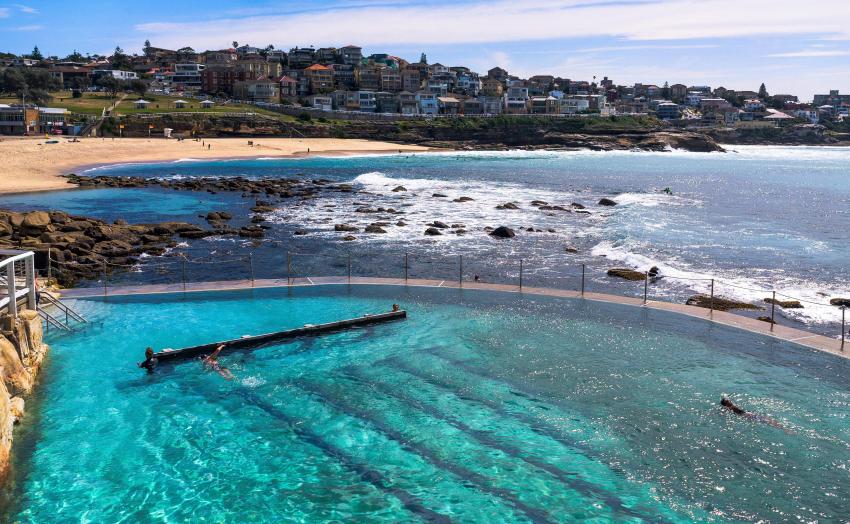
point(10, 288)
point(30, 275)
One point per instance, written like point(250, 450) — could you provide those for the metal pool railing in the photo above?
point(183, 269)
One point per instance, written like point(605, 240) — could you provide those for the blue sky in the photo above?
point(792, 47)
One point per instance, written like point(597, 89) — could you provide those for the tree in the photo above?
point(110, 84)
point(39, 97)
point(235, 44)
point(75, 57)
point(763, 92)
point(140, 87)
point(147, 48)
point(665, 91)
point(119, 59)
point(12, 81)
point(36, 54)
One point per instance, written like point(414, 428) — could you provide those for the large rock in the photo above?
point(36, 219)
point(345, 227)
point(626, 273)
point(433, 232)
point(7, 422)
point(503, 232)
point(720, 304)
point(374, 228)
point(507, 205)
point(785, 304)
point(607, 202)
point(12, 371)
point(840, 302)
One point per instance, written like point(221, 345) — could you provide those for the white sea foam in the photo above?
point(750, 288)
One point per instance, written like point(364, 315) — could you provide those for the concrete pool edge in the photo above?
point(788, 334)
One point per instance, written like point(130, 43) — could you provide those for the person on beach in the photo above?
point(211, 361)
point(730, 406)
point(150, 362)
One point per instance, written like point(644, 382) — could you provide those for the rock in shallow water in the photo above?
point(840, 302)
point(786, 304)
point(503, 232)
point(626, 273)
point(720, 304)
point(607, 202)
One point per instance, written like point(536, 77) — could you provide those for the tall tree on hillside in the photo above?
point(138, 86)
point(147, 48)
point(665, 91)
point(75, 57)
point(119, 59)
point(110, 84)
point(763, 92)
point(235, 44)
point(36, 54)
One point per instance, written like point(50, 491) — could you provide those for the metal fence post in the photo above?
point(105, 277)
point(773, 310)
point(183, 263)
point(251, 267)
point(460, 270)
point(349, 268)
point(645, 286)
point(288, 268)
point(582, 279)
point(843, 326)
point(406, 266)
point(520, 273)
point(49, 265)
point(712, 296)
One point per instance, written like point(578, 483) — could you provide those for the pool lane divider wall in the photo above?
point(799, 337)
point(256, 341)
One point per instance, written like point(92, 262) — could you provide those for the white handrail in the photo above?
point(7, 269)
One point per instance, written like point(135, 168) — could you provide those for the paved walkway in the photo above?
point(803, 338)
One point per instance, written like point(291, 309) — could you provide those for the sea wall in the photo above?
point(22, 351)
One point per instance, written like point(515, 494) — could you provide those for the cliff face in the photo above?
point(22, 352)
point(481, 133)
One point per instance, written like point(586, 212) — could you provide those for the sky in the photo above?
point(793, 47)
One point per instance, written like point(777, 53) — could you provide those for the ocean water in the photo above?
point(480, 407)
point(756, 219)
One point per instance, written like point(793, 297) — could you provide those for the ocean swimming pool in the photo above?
point(481, 407)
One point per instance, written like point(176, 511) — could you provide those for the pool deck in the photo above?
point(797, 336)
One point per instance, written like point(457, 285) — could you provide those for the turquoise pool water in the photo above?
point(481, 407)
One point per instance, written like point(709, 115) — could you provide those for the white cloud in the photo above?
point(811, 53)
point(26, 9)
point(508, 20)
point(28, 28)
point(4, 12)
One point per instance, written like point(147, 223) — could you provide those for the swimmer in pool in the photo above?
point(729, 405)
point(211, 361)
point(150, 362)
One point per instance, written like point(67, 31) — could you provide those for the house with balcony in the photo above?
point(288, 87)
point(407, 103)
point(668, 111)
point(448, 105)
point(391, 80)
point(753, 105)
point(301, 57)
point(410, 79)
point(427, 103)
point(261, 90)
point(351, 55)
point(572, 106)
point(472, 107)
point(320, 77)
point(343, 76)
point(187, 76)
point(544, 105)
point(369, 77)
point(322, 102)
point(492, 105)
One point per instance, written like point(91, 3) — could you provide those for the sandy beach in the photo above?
point(33, 165)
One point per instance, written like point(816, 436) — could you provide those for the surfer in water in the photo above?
point(730, 406)
point(211, 361)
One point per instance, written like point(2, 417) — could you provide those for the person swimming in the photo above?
point(730, 406)
point(211, 361)
point(150, 362)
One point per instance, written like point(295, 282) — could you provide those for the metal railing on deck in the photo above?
point(183, 269)
point(17, 280)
